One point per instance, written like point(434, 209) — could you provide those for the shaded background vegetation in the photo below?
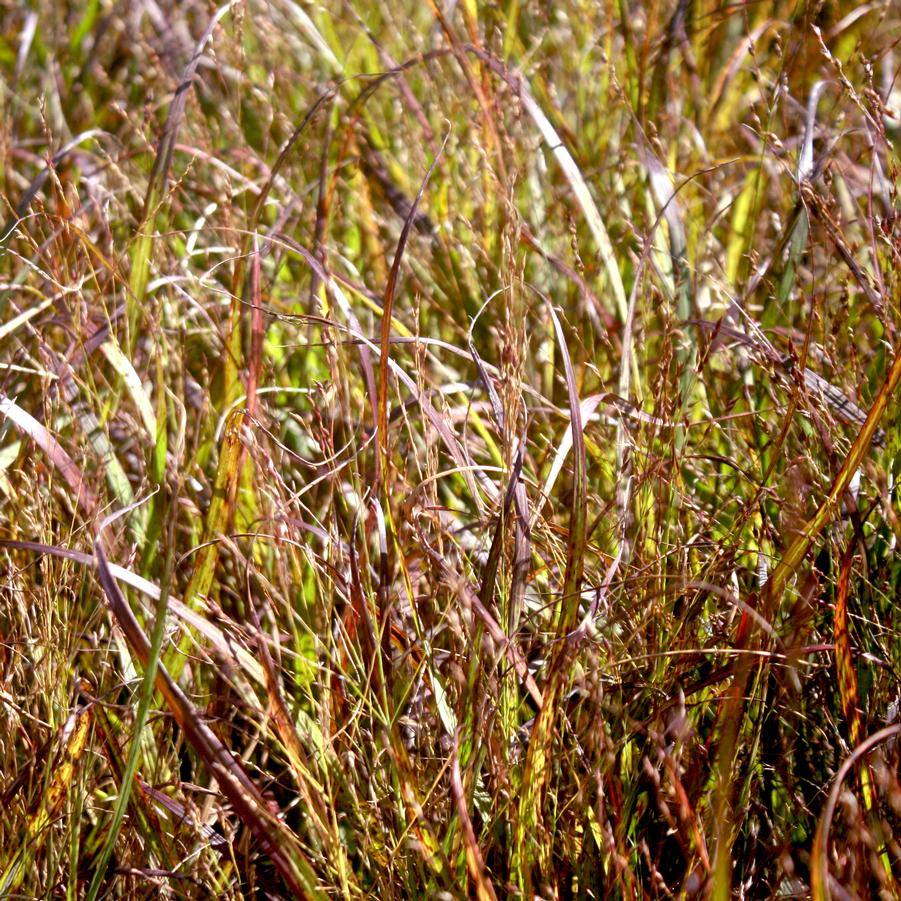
point(435, 458)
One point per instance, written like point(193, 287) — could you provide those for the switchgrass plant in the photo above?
point(448, 450)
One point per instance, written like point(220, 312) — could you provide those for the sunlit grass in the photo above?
point(449, 450)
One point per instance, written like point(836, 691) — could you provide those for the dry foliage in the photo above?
point(447, 449)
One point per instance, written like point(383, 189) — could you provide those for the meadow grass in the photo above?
point(447, 450)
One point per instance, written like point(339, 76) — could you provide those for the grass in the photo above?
point(448, 450)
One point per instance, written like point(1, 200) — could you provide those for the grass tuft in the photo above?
point(449, 450)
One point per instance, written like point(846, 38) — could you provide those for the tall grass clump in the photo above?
point(448, 449)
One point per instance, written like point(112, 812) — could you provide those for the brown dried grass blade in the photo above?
point(140, 271)
point(248, 803)
point(29, 426)
point(475, 863)
point(387, 308)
